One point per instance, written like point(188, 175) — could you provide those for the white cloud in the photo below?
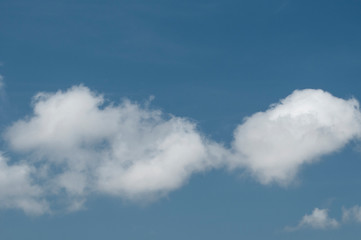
point(77, 144)
point(123, 150)
point(351, 214)
point(17, 189)
point(318, 219)
point(307, 124)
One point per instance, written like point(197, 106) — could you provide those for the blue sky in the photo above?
point(95, 156)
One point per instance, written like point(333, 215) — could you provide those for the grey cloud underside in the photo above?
point(75, 145)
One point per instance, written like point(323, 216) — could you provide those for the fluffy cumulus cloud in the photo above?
point(85, 146)
point(318, 219)
point(76, 144)
point(307, 124)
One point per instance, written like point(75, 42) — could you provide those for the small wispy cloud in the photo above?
point(352, 214)
point(318, 219)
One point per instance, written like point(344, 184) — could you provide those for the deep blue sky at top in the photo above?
point(215, 62)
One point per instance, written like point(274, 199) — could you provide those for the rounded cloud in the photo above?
point(299, 129)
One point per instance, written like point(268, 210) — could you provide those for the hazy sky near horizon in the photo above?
point(180, 119)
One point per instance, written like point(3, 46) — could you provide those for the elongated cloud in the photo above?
point(123, 150)
point(273, 145)
point(77, 144)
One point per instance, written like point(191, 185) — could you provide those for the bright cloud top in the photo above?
point(76, 145)
point(297, 130)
